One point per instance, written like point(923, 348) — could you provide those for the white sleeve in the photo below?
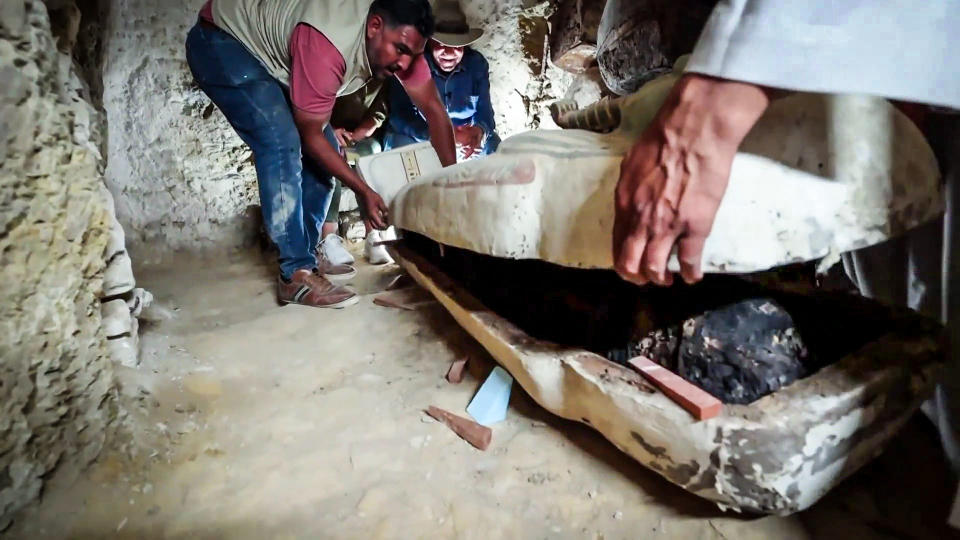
point(900, 49)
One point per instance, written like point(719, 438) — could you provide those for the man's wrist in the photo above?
point(716, 112)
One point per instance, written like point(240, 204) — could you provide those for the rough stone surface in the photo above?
point(183, 179)
point(573, 35)
point(56, 384)
point(180, 176)
point(641, 39)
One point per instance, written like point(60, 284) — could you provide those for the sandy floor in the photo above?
point(289, 422)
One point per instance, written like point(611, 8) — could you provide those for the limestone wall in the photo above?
point(56, 384)
point(183, 180)
point(180, 176)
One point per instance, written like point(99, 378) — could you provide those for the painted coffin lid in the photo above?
point(817, 176)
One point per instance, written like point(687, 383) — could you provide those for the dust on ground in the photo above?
point(260, 421)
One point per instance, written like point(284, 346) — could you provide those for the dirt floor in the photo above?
point(260, 421)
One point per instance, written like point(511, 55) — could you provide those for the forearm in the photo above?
point(319, 148)
point(441, 136)
point(366, 128)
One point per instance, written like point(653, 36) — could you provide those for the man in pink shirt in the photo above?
point(275, 69)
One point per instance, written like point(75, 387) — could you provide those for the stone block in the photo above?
point(56, 382)
point(352, 227)
point(573, 34)
point(116, 318)
point(639, 40)
point(124, 351)
point(118, 277)
point(348, 200)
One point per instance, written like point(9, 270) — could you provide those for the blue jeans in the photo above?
point(294, 190)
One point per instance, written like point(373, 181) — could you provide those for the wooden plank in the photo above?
point(689, 396)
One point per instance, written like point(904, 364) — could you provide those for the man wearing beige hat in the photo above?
point(463, 80)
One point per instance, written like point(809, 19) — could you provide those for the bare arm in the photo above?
point(426, 98)
point(319, 148)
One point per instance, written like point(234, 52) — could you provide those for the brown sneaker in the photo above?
point(311, 289)
point(336, 273)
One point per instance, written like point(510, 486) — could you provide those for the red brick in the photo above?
point(689, 396)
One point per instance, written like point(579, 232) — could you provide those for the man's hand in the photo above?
point(469, 139)
point(373, 209)
point(344, 137)
point(673, 179)
point(319, 148)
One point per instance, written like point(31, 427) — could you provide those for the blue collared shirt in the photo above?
point(465, 92)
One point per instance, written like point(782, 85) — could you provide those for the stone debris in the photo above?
point(489, 405)
point(468, 430)
point(456, 371)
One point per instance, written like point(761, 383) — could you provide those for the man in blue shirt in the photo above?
point(463, 81)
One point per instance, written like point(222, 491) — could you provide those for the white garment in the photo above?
point(900, 49)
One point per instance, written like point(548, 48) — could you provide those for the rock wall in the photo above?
point(56, 384)
point(181, 177)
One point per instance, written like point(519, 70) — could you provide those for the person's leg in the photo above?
point(904, 271)
point(947, 398)
point(332, 223)
point(333, 260)
point(945, 138)
point(917, 271)
point(374, 253)
point(256, 106)
point(318, 185)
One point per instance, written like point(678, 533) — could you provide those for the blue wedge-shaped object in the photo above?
point(489, 406)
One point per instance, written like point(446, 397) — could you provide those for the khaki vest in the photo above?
point(265, 28)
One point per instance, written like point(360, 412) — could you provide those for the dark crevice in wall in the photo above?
point(78, 26)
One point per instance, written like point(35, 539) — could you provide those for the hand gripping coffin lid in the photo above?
point(818, 175)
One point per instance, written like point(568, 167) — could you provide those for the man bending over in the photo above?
point(275, 69)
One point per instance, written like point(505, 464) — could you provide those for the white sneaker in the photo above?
point(389, 234)
point(375, 254)
point(334, 250)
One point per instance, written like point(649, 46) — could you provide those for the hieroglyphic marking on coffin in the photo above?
point(655, 451)
point(679, 474)
point(522, 173)
point(684, 474)
point(708, 479)
point(411, 167)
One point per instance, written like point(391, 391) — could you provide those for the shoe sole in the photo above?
point(339, 305)
point(340, 279)
point(351, 261)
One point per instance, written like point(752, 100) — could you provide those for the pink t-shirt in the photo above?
point(317, 68)
point(207, 11)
